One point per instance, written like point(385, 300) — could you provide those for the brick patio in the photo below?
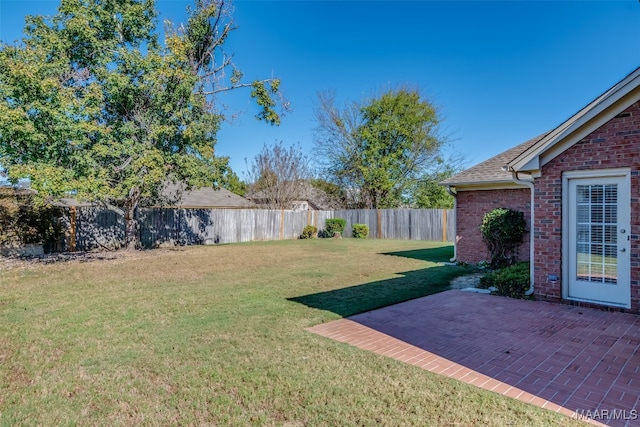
point(558, 357)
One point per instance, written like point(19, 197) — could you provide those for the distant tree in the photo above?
point(378, 149)
point(336, 194)
point(92, 104)
point(233, 183)
point(277, 176)
point(427, 193)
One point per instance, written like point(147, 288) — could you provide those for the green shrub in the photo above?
point(309, 232)
point(360, 231)
point(511, 281)
point(483, 265)
point(503, 230)
point(334, 225)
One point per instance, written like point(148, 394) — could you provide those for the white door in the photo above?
point(599, 240)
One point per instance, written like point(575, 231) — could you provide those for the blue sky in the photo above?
point(500, 72)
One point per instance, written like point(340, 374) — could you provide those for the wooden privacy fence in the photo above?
point(93, 227)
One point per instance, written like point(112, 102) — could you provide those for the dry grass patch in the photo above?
point(214, 336)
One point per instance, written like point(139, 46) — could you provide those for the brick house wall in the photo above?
point(471, 207)
point(614, 145)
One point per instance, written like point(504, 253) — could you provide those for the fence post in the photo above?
point(444, 225)
point(282, 224)
point(379, 223)
point(73, 229)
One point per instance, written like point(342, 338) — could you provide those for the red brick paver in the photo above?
point(558, 357)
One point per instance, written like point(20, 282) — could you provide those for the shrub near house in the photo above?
point(512, 281)
point(503, 231)
point(577, 185)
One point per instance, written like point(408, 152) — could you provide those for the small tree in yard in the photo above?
point(277, 176)
point(503, 230)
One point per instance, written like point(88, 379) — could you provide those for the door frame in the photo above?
point(568, 246)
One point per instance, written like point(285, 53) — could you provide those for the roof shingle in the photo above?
point(490, 171)
point(204, 198)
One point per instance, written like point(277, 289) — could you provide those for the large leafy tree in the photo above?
point(378, 150)
point(93, 104)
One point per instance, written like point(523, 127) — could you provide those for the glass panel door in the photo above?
point(597, 231)
point(598, 244)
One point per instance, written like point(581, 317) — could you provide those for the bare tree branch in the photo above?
point(277, 176)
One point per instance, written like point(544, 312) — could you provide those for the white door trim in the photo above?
point(568, 246)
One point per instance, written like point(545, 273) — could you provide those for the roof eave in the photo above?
point(485, 185)
point(531, 165)
point(620, 96)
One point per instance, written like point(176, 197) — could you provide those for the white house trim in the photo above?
point(597, 113)
point(567, 176)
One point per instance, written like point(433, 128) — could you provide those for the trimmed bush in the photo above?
point(360, 231)
point(512, 281)
point(334, 225)
point(309, 232)
point(503, 230)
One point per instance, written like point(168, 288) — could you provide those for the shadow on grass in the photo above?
point(370, 296)
point(441, 254)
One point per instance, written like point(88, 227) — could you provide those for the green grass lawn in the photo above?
point(216, 336)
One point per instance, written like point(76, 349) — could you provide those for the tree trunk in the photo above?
point(132, 240)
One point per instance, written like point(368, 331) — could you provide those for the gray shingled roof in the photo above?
point(490, 171)
point(204, 198)
point(70, 202)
